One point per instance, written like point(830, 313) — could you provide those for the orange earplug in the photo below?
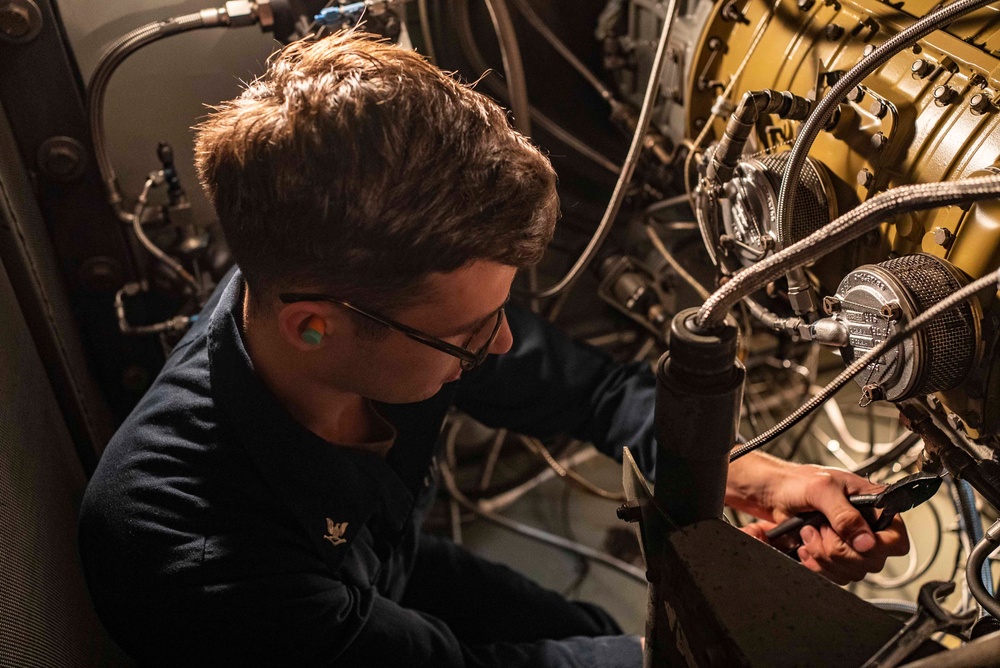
point(314, 331)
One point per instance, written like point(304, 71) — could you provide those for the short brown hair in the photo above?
point(357, 166)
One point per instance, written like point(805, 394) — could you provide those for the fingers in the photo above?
point(758, 530)
point(824, 552)
point(847, 522)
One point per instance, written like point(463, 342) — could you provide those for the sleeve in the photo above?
point(308, 620)
point(549, 384)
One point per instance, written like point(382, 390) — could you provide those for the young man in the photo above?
point(262, 504)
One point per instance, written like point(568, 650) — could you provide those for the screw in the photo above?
point(868, 50)
point(891, 311)
point(834, 32)
point(714, 44)
point(806, 5)
point(878, 141)
point(980, 104)
point(920, 68)
point(865, 178)
point(873, 392)
point(943, 95)
point(943, 236)
point(878, 108)
point(856, 94)
point(831, 305)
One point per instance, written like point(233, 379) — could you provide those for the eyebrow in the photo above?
point(474, 325)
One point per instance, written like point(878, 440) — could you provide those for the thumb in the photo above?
point(846, 520)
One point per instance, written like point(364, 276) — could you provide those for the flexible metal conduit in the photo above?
point(824, 110)
point(974, 569)
point(631, 160)
point(110, 61)
point(915, 325)
point(851, 225)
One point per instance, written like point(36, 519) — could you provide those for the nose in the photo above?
point(504, 340)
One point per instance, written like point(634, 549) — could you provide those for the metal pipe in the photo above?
point(631, 160)
point(974, 569)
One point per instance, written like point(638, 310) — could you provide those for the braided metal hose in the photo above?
point(838, 93)
point(915, 325)
point(847, 227)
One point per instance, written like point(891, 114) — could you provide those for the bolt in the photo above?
point(856, 94)
point(891, 311)
point(714, 44)
point(732, 13)
point(61, 158)
point(869, 49)
point(15, 22)
point(920, 68)
point(806, 5)
point(865, 178)
point(878, 108)
point(878, 141)
point(629, 513)
point(833, 32)
point(834, 119)
point(980, 104)
point(873, 392)
point(943, 236)
point(943, 95)
point(831, 305)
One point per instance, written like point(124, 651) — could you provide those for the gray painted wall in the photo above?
point(162, 90)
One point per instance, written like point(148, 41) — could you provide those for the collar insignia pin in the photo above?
point(335, 532)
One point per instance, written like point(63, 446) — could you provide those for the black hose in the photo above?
point(838, 93)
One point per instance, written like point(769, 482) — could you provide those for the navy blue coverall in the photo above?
point(217, 530)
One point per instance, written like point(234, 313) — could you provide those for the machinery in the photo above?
point(756, 184)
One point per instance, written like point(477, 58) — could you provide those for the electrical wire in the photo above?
point(536, 447)
point(915, 325)
point(978, 559)
point(544, 537)
point(838, 93)
point(851, 225)
point(678, 268)
point(631, 161)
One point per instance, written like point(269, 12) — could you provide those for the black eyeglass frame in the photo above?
point(468, 359)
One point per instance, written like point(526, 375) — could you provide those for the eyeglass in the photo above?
point(469, 359)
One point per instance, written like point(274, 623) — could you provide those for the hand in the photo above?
point(843, 551)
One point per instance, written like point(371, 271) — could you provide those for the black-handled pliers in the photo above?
point(879, 510)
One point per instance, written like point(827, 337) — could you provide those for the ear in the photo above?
point(295, 319)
